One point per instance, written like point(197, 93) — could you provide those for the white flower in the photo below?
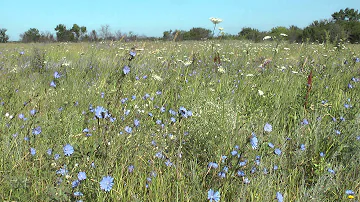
point(221, 28)
point(221, 69)
point(282, 34)
point(250, 75)
point(261, 93)
point(267, 37)
point(156, 77)
point(215, 20)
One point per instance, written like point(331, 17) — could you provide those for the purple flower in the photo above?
point(106, 183)
point(213, 196)
point(254, 141)
point(37, 130)
point(279, 197)
point(52, 84)
point(136, 123)
point(77, 193)
point(131, 168)
point(126, 69)
point(68, 150)
point(128, 129)
point(213, 165)
point(277, 151)
point(57, 75)
point(75, 183)
point(267, 127)
point(32, 151)
point(302, 147)
point(304, 122)
point(271, 145)
point(81, 176)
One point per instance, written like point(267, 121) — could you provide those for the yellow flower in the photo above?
point(351, 197)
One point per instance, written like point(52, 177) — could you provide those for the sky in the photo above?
point(152, 18)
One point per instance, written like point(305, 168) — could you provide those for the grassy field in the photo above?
point(179, 122)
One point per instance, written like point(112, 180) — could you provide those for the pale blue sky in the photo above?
point(153, 17)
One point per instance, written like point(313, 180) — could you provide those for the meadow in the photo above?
point(179, 121)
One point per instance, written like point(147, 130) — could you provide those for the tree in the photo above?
point(46, 37)
point(32, 35)
point(76, 31)
point(346, 15)
point(197, 33)
point(3, 36)
point(276, 31)
point(250, 34)
point(93, 36)
point(167, 35)
point(295, 34)
point(105, 32)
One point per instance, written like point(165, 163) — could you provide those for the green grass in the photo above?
point(226, 109)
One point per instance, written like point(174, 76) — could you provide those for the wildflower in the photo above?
point(222, 174)
point(37, 130)
point(21, 116)
point(56, 156)
point(68, 150)
point(267, 127)
point(267, 37)
point(49, 151)
point(131, 168)
point(213, 165)
point(53, 84)
point(234, 152)
point(350, 86)
point(213, 196)
point(282, 34)
point(136, 122)
point(168, 163)
point(77, 193)
point(277, 151)
point(101, 112)
point(240, 173)
point(215, 20)
point(322, 154)
point(271, 145)
point(261, 93)
point(162, 109)
point(279, 197)
point(254, 141)
point(81, 175)
point(57, 75)
point(184, 113)
point(304, 122)
point(302, 147)
point(242, 163)
point(246, 180)
point(32, 151)
point(62, 171)
point(331, 171)
point(126, 69)
point(173, 119)
point(128, 129)
point(349, 192)
point(75, 183)
point(106, 183)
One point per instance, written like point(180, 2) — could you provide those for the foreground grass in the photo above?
point(152, 151)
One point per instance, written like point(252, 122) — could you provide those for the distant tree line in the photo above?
point(343, 26)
